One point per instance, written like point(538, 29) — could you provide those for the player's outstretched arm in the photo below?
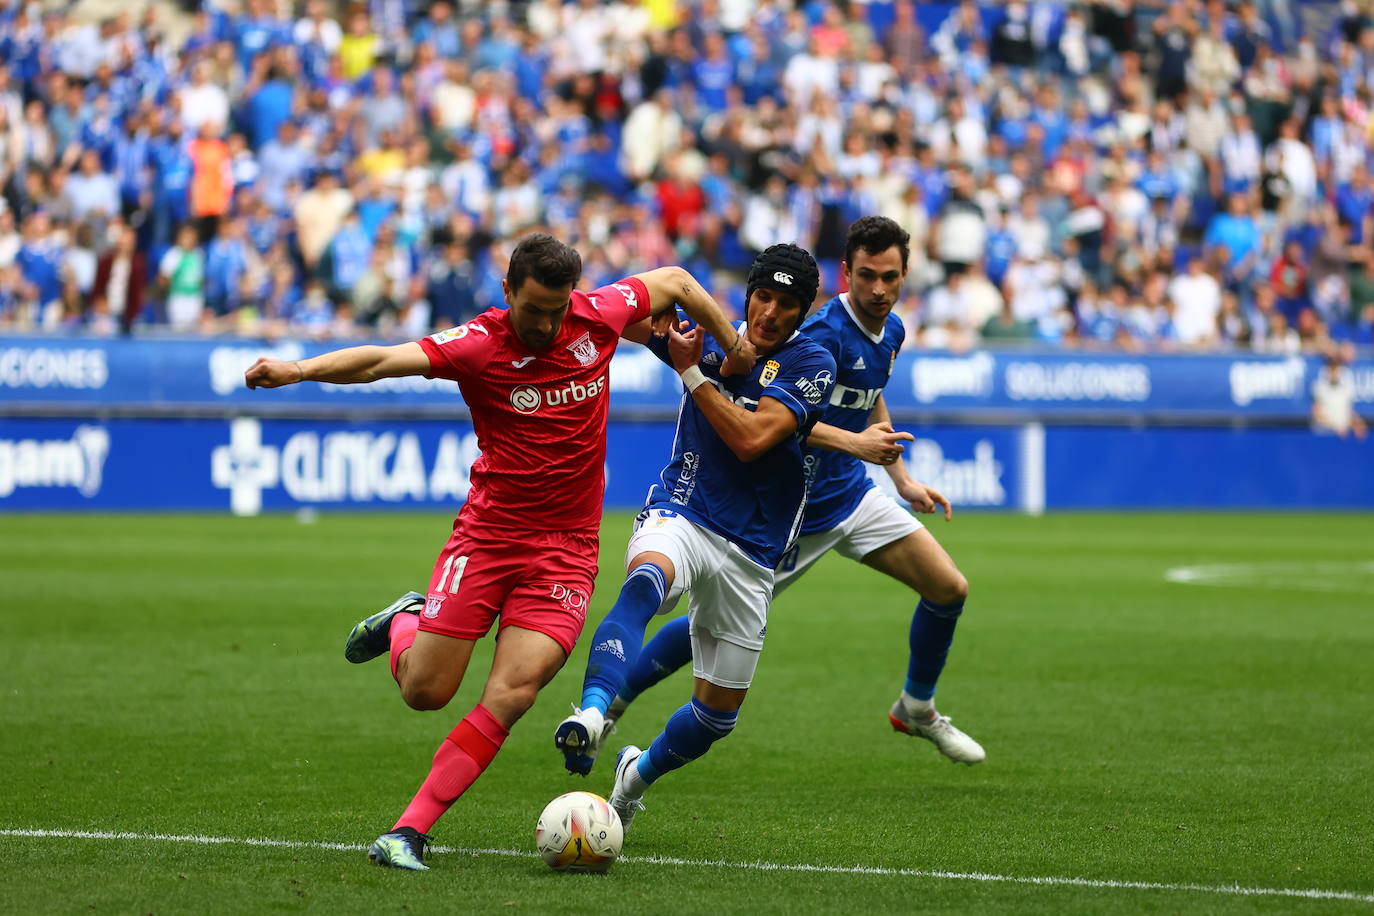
point(348, 366)
point(671, 286)
point(749, 434)
point(878, 444)
point(921, 497)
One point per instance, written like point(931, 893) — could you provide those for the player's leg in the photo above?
point(668, 650)
point(671, 646)
point(724, 672)
point(617, 640)
point(729, 616)
point(658, 561)
point(525, 660)
point(919, 561)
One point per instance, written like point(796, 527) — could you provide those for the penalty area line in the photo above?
point(1225, 889)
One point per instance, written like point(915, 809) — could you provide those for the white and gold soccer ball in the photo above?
point(579, 831)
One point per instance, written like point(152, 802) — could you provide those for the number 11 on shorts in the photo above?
point(454, 565)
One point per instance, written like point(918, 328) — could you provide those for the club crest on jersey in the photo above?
point(432, 607)
point(770, 372)
point(583, 350)
point(892, 362)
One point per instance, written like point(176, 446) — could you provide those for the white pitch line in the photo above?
point(1231, 889)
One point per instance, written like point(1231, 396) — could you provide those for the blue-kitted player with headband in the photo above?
point(844, 510)
point(716, 525)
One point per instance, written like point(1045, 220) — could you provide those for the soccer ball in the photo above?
point(579, 831)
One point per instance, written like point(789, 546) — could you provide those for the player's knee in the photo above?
point(949, 591)
point(424, 696)
point(514, 699)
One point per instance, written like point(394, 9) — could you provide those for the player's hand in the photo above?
point(272, 373)
point(881, 444)
point(923, 498)
point(684, 346)
point(663, 322)
point(740, 358)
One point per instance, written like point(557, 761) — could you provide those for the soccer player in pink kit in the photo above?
point(535, 377)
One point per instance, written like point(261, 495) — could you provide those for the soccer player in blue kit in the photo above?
point(715, 525)
point(845, 510)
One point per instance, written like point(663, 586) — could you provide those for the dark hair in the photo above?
point(876, 234)
point(546, 259)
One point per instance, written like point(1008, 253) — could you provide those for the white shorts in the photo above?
point(729, 594)
point(878, 520)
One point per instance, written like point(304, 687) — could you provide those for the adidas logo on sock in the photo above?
point(613, 646)
point(860, 364)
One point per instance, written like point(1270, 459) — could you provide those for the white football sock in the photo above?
point(917, 709)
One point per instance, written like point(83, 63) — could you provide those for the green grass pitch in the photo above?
point(183, 675)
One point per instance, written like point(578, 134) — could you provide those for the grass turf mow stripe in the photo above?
point(1234, 890)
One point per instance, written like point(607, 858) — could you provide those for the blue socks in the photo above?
point(669, 650)
point(617, 641)
point(932, 631)
point(689, 734)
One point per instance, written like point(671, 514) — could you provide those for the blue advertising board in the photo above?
point(207, 375)
point(248, 464)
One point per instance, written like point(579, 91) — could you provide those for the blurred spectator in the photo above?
point(120, 279)
point(1333, 401)
point(181, 277)
point(1078, 157)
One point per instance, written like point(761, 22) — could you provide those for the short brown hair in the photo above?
point(546, 259)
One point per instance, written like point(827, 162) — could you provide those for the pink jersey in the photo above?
point(540, 415)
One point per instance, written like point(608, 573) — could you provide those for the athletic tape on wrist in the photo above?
point(693, 378)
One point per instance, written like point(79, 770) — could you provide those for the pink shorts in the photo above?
point(541, 582)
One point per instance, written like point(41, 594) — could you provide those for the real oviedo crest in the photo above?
point(770, 372)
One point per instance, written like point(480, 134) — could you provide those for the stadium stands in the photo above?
point(1112, 175)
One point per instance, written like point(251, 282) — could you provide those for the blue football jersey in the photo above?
point(756, 505)
point(863, 364)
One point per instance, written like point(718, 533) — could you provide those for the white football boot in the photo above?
point(579, 738)
point(624, 799)
point(938, 730)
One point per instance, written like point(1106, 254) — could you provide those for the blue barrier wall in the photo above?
point(246, 464)
point(207, 375)
point(139, 424)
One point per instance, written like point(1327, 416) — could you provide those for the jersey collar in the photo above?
point(844, 300)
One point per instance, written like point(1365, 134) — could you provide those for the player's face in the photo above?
point(875, 282)
point(537, 311)
point(773, 316)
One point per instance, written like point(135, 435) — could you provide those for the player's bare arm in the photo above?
point(351, 365)
point(674, 286)
point(749, 434)
point(922, 498)
point(877, 444)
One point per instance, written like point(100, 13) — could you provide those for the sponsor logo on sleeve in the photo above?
point(814, 389)
point(458, 333)
point(628, 291)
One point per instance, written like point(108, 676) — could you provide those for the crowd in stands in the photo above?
point(1112, 174)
